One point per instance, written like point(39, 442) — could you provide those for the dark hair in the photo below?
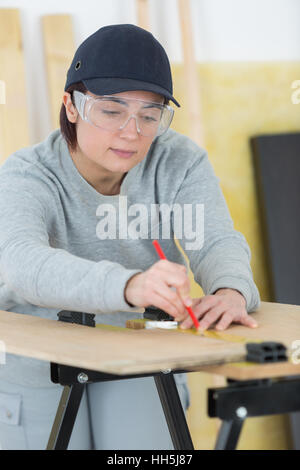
point(68, 129)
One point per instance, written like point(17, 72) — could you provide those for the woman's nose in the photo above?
point(131, 127)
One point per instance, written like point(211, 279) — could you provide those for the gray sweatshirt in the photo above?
point(65, 246)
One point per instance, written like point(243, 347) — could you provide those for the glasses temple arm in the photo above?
point(79, 100)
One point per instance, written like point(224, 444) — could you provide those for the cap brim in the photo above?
point(109, 86)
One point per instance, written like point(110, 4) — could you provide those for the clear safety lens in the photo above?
point(113, 113)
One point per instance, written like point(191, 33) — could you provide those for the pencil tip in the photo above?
point(201, 331)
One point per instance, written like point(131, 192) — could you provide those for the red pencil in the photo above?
point(162, 256)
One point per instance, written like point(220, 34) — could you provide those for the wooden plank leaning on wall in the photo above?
point(59, 49)
point(14, 125)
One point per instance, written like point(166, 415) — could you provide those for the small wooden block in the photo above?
point(137, 324)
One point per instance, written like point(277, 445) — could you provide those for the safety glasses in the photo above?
point(112, 113)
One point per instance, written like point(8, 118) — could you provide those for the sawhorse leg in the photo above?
point(173, 411)
point(229, 434)
point(169, 397)
point(244, 399)
point(65, 417)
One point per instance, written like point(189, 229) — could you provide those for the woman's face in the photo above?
point(100, 151)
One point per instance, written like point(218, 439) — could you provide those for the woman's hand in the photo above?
point(153, 287)
point(226, 306)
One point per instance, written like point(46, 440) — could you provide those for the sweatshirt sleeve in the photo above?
point(219, 255)
point(46, 276)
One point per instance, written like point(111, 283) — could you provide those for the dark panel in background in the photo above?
point(277, 173)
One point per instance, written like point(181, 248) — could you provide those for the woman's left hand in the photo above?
point(225, 306)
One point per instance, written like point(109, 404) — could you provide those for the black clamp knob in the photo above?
point(76, 317)
point(268, 351)
point(156, 314)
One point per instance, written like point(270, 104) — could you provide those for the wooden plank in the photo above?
point(145, 350)
point(137, 351)
point(59, 49)
point(277, 322)
point(14, 127)
point(142, 8)
point(192, 85)
point(249, 371)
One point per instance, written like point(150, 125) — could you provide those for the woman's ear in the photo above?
point(71, 111)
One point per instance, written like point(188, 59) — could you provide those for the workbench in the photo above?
point(253, 389)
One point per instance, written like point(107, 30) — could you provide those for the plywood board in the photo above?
point(58, 49)
point(95, 348)
point(251, 371)
point(192, 79)
point(142, 9)
point(140, 351)
point(277, 322)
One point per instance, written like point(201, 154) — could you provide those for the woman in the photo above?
point(68, 240)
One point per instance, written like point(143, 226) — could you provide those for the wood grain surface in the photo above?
point(125, 351)
point(14, 126)
point(59, 47)
point(108, 349)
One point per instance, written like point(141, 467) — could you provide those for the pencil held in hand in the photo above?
point(162, 256)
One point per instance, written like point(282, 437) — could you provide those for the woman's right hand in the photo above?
point(152, 287)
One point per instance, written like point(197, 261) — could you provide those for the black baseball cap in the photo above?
point(122, 57)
